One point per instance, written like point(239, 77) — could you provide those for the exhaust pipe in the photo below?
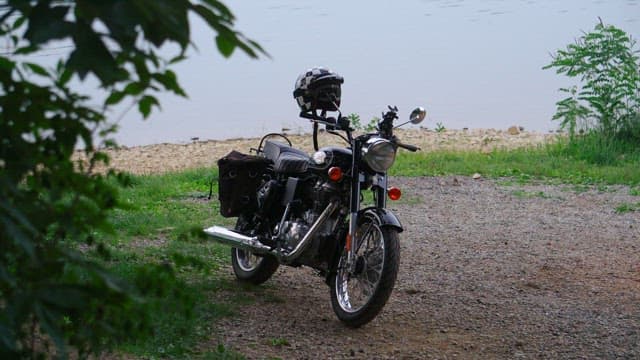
point(239, 241)
point(226, 236)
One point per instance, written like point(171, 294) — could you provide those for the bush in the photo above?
point(53, 298)
point(606, 103)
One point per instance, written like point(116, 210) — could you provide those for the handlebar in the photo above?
point(411, 148)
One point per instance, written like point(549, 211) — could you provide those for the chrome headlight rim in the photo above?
point(379, 154)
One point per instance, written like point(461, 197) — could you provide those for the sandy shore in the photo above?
point(160, 158)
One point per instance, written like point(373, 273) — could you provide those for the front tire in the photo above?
point(358, 294)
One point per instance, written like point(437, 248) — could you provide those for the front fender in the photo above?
point(385, 217)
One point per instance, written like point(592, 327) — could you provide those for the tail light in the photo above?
point(394, 193)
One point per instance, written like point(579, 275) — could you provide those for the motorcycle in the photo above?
point(299, 210)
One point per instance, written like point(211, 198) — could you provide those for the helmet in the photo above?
point(318, 89)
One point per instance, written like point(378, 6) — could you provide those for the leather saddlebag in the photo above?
point(240, 176)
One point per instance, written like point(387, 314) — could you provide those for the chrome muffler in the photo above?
point(228, 237)
point(239, 241)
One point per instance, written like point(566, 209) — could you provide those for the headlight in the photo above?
point(379, 154)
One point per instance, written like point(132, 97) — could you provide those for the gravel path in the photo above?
point(488, 270)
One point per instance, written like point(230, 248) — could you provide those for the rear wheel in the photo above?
point(247, 266)
point(252, 268)
point(360, 291)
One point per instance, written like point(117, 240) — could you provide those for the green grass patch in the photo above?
point(530, 194)
point(520, 166)
point(170, 205)
point(159, 228)
point(627, 207)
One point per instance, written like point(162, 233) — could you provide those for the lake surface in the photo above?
point(471, 63)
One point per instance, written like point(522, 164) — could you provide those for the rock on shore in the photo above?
point(160, 158)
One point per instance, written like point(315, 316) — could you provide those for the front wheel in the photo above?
point(360, 291)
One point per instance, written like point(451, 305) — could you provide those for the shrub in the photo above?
point(53, 298)
point(607, 100)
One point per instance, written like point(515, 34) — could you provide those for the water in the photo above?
point(471, 63)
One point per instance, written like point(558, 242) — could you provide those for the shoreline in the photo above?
point(170, 157)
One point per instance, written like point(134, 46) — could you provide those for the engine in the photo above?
point(314, 201)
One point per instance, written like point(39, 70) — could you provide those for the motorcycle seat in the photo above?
point(285, 158)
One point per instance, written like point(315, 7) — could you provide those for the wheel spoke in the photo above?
point(355, 287)
point(247, 260)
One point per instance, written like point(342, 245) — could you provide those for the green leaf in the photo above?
point(225, 44)
point(169, 80)
point(6, 64)
point(91, 55)
point(144, 105)
point(36, 69)
point(48, 23)
point(115, 97)
point(19, 21)
point(134, 88)
point(65, 76)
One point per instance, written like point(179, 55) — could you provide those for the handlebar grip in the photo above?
point(411, 148)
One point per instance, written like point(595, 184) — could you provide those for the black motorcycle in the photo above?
point(296, 210)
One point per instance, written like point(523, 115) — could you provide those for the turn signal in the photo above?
point(394, 193)
point(335, 173)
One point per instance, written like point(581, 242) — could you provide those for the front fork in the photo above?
point(380, 188)
point(354, 206)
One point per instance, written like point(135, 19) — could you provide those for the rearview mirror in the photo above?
point(417, 115)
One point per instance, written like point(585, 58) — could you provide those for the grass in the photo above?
point(530, 194)
point(520, 165)
point(159, 224)
point(627, 207)
point(162, 215)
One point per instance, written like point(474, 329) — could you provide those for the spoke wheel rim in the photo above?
point(247, 261)
point(355, 287)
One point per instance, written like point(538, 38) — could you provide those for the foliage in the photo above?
point(357, 124)
point(53, 297)
point(440, 128)
point(607, 100)
point(595, 148)
point(156, 225)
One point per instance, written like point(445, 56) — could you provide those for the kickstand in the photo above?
point(210, 188)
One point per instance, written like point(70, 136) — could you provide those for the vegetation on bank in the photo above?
point(552, 163)
point(602, 112)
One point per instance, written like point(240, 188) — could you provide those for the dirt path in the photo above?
point(488, 270)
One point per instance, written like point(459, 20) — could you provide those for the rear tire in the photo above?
point(252, 268)
point(357, 296)
point(248, 267)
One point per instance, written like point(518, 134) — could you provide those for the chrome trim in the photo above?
point(252, 244)
point(229, 237)
point(306, 240)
